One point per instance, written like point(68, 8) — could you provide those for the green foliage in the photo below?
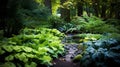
point(55, 21)
point(67, 27)
point(102, 52)
point(114, 22)
point(114, 36)
point(77, 58)
point(35, 17)
point(88, 37)
point(91, 25)
point(32, 47)
point(8, 64)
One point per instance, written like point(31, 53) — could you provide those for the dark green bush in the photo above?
point(34, 17)
point(55, 21)
point(91, 25)
point(114, 22)
point(67, 28)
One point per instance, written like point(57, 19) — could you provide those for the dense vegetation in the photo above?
point(33, 32)
point(31, 48)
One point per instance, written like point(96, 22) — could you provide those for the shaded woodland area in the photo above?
point(12, 10)
point(35, 33)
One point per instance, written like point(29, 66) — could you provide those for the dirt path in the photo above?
point(63, 63)
point(71, 49)
point(66, 61)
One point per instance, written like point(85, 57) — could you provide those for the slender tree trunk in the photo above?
point(79, 9)
point(117, 10)
point(3, 15)
point(96, 10)
point(8, 14)
point(103, 12)
point(96, 7)
point(48, 4)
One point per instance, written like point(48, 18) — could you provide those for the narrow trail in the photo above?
point(66, 61)
point(70, 52)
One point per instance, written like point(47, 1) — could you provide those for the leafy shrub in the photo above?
point(97, 25)
point(87, 37)
point(67, 27)
point(101, 53)
point(78, 25)
point(31, 48)
point(115, 36)
point(114, 22)
point(35, 17)
point(91, 25)
point(55, 21)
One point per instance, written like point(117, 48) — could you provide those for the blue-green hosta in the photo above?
point(101, 53)
point(31, 48)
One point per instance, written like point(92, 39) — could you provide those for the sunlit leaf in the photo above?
point(8, 48)
point(9, 58)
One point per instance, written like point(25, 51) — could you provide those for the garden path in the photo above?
point(67, 59)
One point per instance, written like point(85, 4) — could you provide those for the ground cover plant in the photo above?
point(87, 24)
point(31, 48)
point(97, 50)
point(101, 53)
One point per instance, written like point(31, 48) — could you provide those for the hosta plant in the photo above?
point(101, 53)
point(33, 47)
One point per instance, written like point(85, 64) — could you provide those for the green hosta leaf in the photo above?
point(21, 57)
point(59, 52)
point(43, 49)
point(46, 59)
point(51, 51)
point(8, 48)
point(8, 64)
point(11, 42)
point(55, 55)
point(32, 64)
point(54, 44)
point(27, 49)
point(36, 41)
point(9, 58)
point(17, 48)
point(31, 56)
point(55, 49)
point(1, 51)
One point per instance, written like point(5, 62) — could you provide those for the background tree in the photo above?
point(65, 12)
point(9, 17)
point(48, 4)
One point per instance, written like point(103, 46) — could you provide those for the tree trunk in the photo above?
point(103, 12)
point(3, 13)
point(117, 10)
point(48, 5)
point(79, 9)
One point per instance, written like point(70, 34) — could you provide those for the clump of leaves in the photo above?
point(55, 21)
point(91, 25)
point(87, 37)
point(33, 17)
point(32, 47)
point(101, 53)
point(67, 28)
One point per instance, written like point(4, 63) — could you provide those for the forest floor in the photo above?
point(67, 60)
